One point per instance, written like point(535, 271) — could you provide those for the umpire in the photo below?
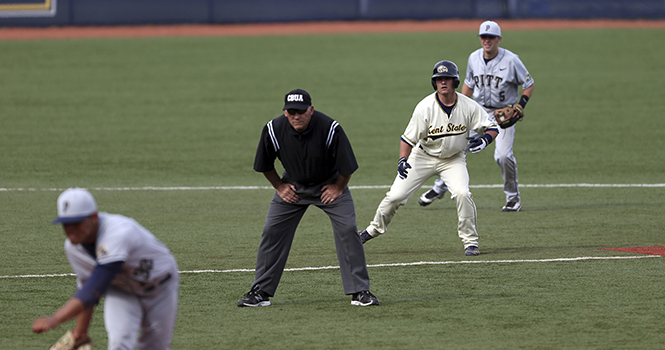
point(318, 162)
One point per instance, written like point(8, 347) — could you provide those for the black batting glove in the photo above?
point(478, 144)
point(402, 165)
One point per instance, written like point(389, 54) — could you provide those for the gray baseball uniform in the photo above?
point(496, 84)
point(143, 297)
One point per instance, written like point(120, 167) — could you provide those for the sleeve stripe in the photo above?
point(409, 142)
point(273, 138)
point(331, 133)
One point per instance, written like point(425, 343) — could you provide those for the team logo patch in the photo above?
point(487, 27)
point(442, 69)
point(102, 251)
point(65, 207)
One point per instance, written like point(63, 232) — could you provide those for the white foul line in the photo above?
point(419, 263)
point(208, 188)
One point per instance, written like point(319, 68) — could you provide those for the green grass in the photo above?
point(120, 113)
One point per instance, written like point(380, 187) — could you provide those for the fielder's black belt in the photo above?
point(164, 280)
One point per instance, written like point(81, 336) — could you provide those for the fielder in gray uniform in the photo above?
point(493, 78)
point(318, 162)
point(435, 143)
point(113, 255)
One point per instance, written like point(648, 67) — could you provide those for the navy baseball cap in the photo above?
point(74, 205)
point(297, 99)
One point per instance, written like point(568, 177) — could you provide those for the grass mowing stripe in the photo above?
point(581, 258)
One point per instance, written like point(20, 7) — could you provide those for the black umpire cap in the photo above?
point(297, 99)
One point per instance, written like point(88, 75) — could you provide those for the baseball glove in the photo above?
point(509, 115)
point(67, 342)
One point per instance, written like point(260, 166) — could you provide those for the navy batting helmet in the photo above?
point(445, 69)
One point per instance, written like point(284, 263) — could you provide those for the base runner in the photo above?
point(435, 143)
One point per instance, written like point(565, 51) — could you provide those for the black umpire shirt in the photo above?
point(310, 159)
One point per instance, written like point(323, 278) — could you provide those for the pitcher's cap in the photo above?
point(74, 205)
point(489, 28)
point(297, 99)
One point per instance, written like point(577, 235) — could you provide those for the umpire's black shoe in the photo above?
point(255, 297)
point(364, 298)
point(365, 236)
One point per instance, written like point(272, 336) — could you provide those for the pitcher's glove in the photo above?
point(67, 342)
point(509, 115)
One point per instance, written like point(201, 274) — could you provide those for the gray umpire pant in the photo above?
point(280, 227)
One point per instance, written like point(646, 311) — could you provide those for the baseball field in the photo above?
point(164, 129)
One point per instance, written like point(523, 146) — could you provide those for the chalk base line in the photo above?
point(208, 188)
point(419, 263)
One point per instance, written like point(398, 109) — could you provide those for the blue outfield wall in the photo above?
point(134, 12)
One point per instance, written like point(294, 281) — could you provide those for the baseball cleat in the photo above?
point(255, 297)
point(513, 205)
point(471, 251)
point(428, 197)
point(364, 298)
point(365, 236)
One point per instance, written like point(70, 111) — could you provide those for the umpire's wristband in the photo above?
point(523, 100)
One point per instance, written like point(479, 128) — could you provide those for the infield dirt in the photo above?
point(300, 28)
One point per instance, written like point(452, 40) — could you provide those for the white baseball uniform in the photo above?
point(496, 85)
point(439, 143)
point(143, 297)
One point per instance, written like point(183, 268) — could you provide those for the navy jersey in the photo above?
point(312, 158)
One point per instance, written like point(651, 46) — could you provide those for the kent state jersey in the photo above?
point(496, 82)
point(443, 136)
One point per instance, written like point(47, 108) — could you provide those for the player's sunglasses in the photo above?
point(487, 37)
point(296, 111)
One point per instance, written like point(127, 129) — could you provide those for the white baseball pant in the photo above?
point(504, 157)
point(126, 316)
point(452, 171)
